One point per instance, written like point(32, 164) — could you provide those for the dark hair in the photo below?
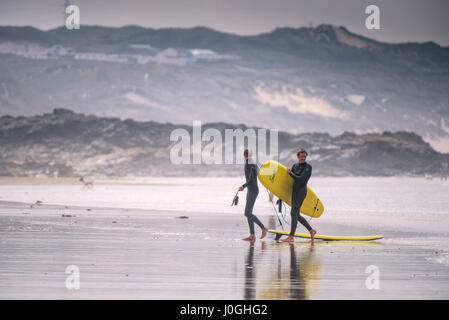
point(301, 151)
point(247, 152)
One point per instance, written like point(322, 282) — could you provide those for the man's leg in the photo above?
point(260, 224)
point(294, 221)
point(304, 222)
point(250, 200)
point(294, 213)
point(297, 200)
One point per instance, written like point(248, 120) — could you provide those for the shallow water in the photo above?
point(154, 254)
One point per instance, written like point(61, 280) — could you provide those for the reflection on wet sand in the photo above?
point(294, 276)
point(288, 271)
point(288, 278)
point(250, 274)
point(297, 283)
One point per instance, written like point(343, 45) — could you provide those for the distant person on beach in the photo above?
point(251, 196)
point(444, 170)
point(300, 172)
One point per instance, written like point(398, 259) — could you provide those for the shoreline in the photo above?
point(150, 254)
point(157, 180)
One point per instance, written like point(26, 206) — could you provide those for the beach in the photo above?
point(173, 238)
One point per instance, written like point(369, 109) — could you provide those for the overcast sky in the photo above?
point(400, 20)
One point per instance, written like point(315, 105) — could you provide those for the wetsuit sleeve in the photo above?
point(304, 176)
point(251, 178)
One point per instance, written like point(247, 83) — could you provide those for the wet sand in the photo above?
point(148, 254)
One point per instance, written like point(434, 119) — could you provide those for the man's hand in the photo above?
point(240, 188)
point(288, 171)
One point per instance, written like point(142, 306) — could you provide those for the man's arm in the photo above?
point(305, 174)
point(252, 176)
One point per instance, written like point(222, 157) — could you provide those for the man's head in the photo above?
point(247, 153)
point(302, 155)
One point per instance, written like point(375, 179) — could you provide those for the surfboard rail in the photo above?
point(329, 238)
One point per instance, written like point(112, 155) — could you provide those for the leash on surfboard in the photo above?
point(276, 211)
point(284, 212)
point(271, 200)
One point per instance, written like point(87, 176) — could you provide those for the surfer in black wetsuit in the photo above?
point(301, 173)
point(251, 196)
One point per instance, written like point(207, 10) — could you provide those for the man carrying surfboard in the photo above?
point(251, 196)
point(300, 172)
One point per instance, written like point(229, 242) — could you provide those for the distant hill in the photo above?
point(321, 79)
point(64, 143)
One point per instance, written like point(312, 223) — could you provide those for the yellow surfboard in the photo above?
point(323, 237)
point(275, 178)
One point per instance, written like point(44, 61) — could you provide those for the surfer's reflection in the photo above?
point(304, 267)
point(290, 273)
point(298, 280)
point(250, 279)
point(249, 274)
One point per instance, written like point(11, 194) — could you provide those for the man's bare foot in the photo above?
point(288, 239)
point(250, 238)
point(264, 232)
point(312, 234)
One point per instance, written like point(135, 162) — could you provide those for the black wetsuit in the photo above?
point(251, 196)
point(301, 173)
